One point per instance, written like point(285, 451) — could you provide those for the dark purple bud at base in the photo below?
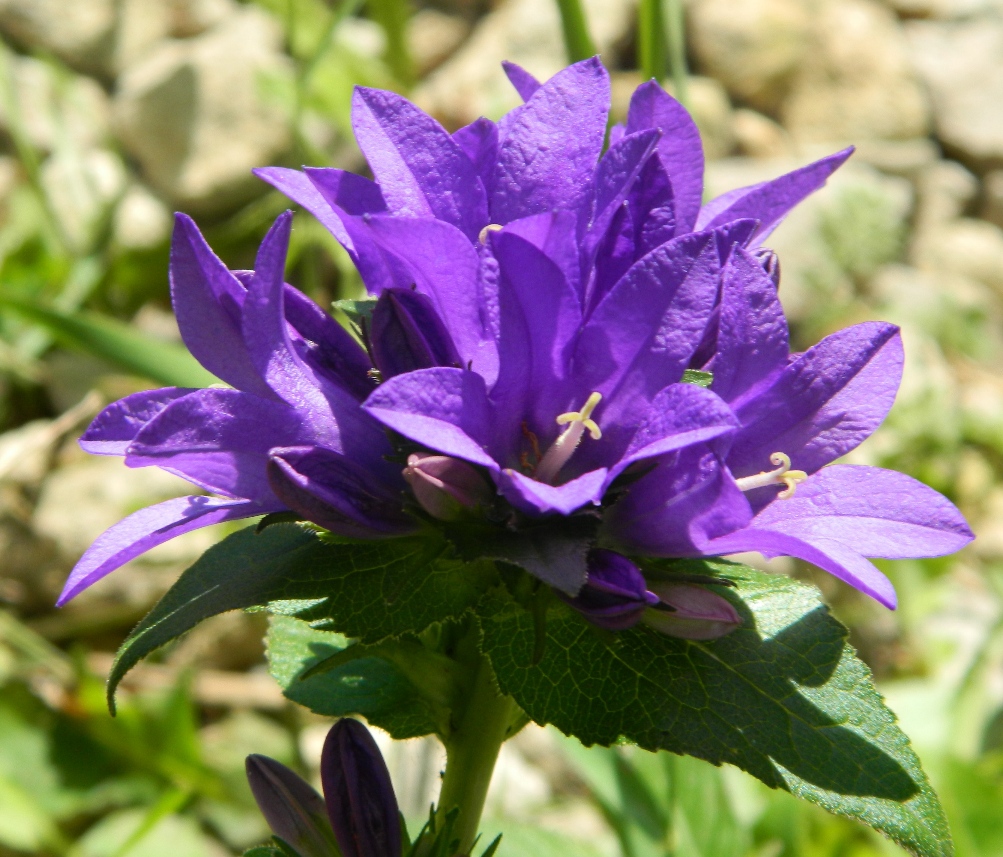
point(615, 595)
point(770, 262)
point(407, 334)
point(445, 486)
point(334, 492)
point(694, 613)
point(294, 811)
point(360, 798)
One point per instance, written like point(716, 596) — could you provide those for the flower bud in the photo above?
point(691, 612)
point(770, 262)
point(407, 334)
point(615, 595)
point(360, 798)
point(445, 486)
point(294, 811)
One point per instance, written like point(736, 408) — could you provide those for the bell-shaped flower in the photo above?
point(766, 487)
point(616, 595)
point(288, 434)
point(445, 486)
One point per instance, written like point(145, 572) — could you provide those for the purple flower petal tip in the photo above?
point(360, 798)
point(615, 595)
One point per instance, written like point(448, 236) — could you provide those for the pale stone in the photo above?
point(432, 36)
point(856, 81)
point(754, 47)
point(943, 8)
point(197, 116)
point(81, 188)
point(992, 197)
point(972, 248)
point(77, 31)
point(961, 63)
point(758, 136)
point(527, 32)
point(141, 219)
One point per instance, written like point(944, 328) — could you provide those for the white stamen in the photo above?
point(483, 235)
point(560, 451)
point(783, 474)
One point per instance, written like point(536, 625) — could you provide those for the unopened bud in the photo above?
point(445, 486)
point(360, 798)
point(294, 811)
point(615, 595)
point(691, 612)
point(407, 334)
point(770, 262)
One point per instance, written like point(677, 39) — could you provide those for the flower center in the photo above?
point(783, 474)
point(482, 237)
point(560, 451)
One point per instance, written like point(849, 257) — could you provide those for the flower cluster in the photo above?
point(558, 330)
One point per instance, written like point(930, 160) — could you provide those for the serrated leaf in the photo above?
point(366, 590)
point(370, 686)
point(784, 697)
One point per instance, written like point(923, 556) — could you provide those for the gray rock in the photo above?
point(196, 114)
point(969, 247)
point(432, 36)
point(49, 107)
point(943, 9)
point(527, 32)
point(141, 220)
point(992, 197)
point(758, 136)
point(754, 47)
point(961, 63)
point(856, 81)
point(80, 31)
point(192, 17)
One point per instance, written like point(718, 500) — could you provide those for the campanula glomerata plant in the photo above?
point(512, 483)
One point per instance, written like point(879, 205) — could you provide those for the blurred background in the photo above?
point(114, 113)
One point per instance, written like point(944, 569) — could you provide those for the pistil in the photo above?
point(783, 474)
point(562, 448)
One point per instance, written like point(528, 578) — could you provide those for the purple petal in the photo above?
point(551, 144)
point(116, 426)
point(769, 202)
point(539, 498)
point(679, 148)
point(678, 508)
point(332, 491)
point(346, 191)
point(653, 208)
point(443, 264)
point(680, 416)
point(148, 528)
point(207, 301)
point(219, 440)
point(479, 141)
point(615, 595)
point(421, 170)
point(752, 342)
point(880, 513)
point(616, 175)
point(325, 346)
point(822, 405)
point(407, 334)
point(698, 613)
point(616, 252)
point(294, 811)
point(446, 410)
point(832, 556)
point(539, 315)
point(525, 84)
point(360, 797)
point(641, 337)
point(553, 233)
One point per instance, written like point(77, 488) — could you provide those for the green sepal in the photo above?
point(784, 697)
point(698, 377)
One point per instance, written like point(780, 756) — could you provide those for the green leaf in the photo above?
point(118, 343)
point(698, 377)
point(784, 697)
point(574, 26)
point(359, 312)
point(366, 590)
point(368, 685)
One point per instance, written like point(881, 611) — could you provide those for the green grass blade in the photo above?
point(675, 41)
point(577, 41)
point(393, 17)
point(651, 47)
point(116, 342)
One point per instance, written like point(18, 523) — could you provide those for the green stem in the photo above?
point(574, 26)
point(675, 35)
point(472, 750)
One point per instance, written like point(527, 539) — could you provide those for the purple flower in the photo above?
point(358, 815)
point(288, 435)
point(799, 411)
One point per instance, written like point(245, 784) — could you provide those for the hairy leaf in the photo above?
point(784, 697)
point(366, 590)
